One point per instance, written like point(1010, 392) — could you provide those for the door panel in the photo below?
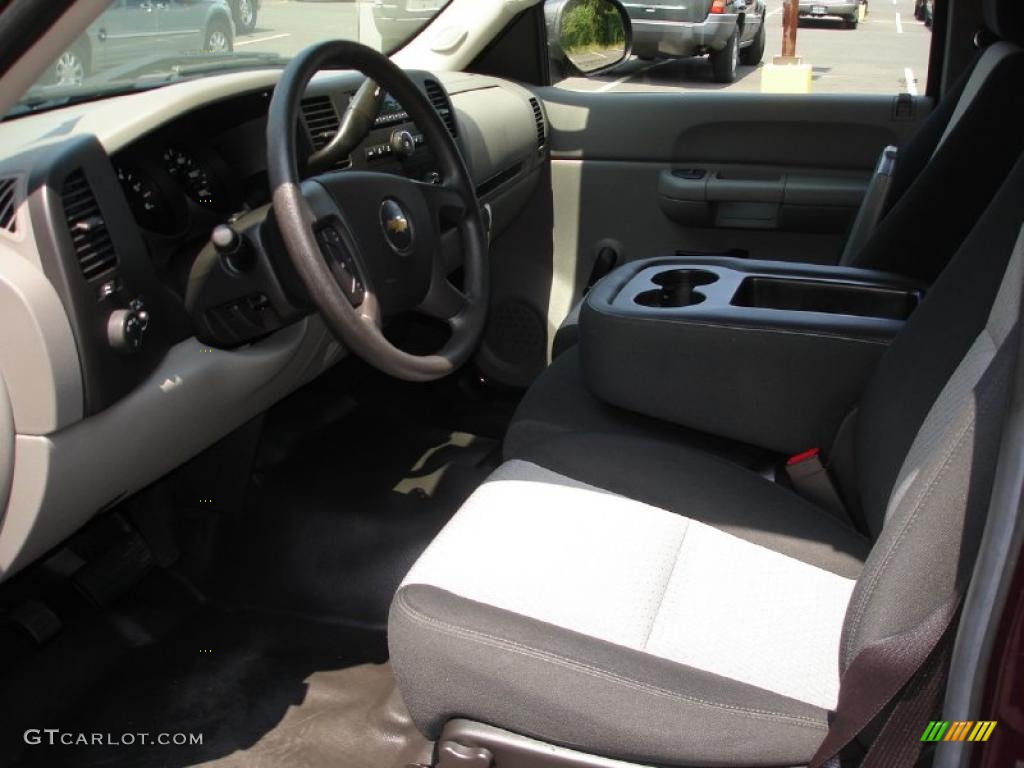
point(126, 32)
point(181, 23)
point(650, 174)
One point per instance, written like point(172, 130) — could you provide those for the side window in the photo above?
point(772, 46)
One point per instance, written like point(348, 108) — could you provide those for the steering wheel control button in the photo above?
point(342, 264)
point(126, 329)
point(397, 226)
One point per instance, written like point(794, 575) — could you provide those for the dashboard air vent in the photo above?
point(440, 101)
point(89, 235)
point(322, 120)
point(8, 205)
point(538, 116)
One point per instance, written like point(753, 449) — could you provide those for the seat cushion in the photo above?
point(693, 483)
point(578, 616)
point(558, 403)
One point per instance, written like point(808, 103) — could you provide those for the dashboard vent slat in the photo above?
point(441, 103)
point(538, 116)
point(8, 205)
point(89, 235)
point(322, 121)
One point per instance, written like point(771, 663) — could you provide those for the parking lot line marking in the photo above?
point(908, 75)
point(899, 23)
point(630, 76)
point(239, 43)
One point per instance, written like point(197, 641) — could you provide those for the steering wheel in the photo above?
point(368, 245)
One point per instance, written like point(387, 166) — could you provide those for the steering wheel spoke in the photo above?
point(445, 202)
point(443, 301)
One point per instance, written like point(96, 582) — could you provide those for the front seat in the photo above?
point(644, 601)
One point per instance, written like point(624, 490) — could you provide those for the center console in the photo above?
point(769, 353)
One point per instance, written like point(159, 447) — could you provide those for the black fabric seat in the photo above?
point(634, 598)
point(559, 403)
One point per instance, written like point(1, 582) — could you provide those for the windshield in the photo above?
point(137, 44)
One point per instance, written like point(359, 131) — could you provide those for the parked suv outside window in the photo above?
point(729, 31)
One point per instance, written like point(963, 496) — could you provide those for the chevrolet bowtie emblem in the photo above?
point(396, 226)
point(399, 225)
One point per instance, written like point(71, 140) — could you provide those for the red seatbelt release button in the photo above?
point(803, 456)
point(810, 479)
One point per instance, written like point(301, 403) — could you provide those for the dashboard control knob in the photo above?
point(126, 329)
point(403, 145)
point(231, 246)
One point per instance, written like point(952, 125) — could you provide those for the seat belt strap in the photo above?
point(898, 744)
point(877, 676)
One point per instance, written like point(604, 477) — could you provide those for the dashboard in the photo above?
point(107, 208)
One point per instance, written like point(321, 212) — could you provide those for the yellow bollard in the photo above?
point(792, 76)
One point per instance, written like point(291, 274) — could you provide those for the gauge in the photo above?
point(193, 177)
point(146, 199)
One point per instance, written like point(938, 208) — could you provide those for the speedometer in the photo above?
point(146, 199)
point(193, 177)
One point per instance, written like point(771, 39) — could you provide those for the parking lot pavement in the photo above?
point(288, 26)
point(887, 53)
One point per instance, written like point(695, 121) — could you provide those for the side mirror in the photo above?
point(587, 37)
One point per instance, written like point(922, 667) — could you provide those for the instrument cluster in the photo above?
point(209, 166)
point(176, 185)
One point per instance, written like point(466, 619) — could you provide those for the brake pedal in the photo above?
point(112, 573)
point(35, 619)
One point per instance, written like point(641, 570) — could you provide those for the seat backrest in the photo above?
point(951, 168)
point(927, 432)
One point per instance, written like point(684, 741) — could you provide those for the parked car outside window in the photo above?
point(729, 32)
point(132, 30)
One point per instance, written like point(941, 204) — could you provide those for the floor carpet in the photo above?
point(285, 665)
point(259, 690)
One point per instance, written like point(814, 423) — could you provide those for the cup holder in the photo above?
point(677, 288)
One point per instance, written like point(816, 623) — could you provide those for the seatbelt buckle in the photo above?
point(810, 479)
